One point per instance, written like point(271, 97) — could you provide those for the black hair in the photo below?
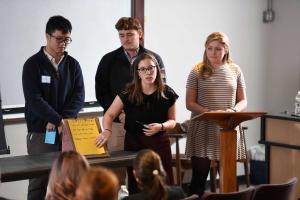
point(58, 23)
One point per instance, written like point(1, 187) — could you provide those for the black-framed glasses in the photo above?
point(144, 70)
point(60, 39)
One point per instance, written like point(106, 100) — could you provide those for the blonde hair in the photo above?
point(65, 175)
point(206, 69)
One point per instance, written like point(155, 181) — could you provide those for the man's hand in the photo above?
point(50, 127)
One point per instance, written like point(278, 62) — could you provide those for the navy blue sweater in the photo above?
point(51, 95)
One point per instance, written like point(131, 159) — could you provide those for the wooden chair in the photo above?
point(275, 191)
point(180, 161)
point(246, 194)
point(214, 166)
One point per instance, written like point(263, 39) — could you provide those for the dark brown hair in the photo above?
point(150, 174)
point(58, 23)
point(135, 87)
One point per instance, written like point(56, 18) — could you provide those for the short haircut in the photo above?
point(58, 23)
point(128, 23)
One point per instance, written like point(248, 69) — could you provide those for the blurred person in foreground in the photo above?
point(98, 183)
point(66, 173)
point(150, 176)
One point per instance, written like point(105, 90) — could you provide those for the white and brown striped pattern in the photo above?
point(217, 92)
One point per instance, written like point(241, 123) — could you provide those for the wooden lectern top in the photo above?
point(228, 120)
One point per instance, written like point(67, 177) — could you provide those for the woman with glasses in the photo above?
point(149, 105)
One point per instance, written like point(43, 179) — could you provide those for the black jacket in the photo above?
point(51, 95)
point(114, 72)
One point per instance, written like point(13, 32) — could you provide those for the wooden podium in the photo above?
point(228, 146)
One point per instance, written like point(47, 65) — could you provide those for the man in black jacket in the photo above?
point(115, 71)
point(53, 89)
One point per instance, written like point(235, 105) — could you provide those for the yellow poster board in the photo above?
point(81, 134)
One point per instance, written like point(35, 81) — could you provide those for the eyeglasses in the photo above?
point(144, 70)
point(66, 40)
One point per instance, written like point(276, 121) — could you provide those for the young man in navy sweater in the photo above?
point(53, 89)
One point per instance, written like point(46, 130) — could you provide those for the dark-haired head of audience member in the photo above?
point(149, 174)
point(65, 175)
point(98, 184)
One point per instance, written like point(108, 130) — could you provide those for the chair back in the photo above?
point(275, 191)
point(246, 194)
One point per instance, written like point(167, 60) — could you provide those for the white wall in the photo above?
point(283, 58)
point(23, 26)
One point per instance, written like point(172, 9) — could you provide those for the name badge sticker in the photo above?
point(45, 79)
point(50, 137)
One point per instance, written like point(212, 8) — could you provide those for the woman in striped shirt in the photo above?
point(215, 84)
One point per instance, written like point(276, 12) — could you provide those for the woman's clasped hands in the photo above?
point(152, 129)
